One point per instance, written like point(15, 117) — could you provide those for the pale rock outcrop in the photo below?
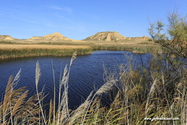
point(106, 36)
point(6, 37)
point(50, 37)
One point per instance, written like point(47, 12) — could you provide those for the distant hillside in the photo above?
point(6, 37)
point(57, 37)
point(50, 37)
point(138, 38)
point(106, 36)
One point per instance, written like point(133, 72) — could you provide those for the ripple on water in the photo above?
point(86, 72)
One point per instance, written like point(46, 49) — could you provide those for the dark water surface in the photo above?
point(86, 72)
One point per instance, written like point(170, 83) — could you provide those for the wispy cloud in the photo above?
point(82, 29)
point(25, 20)
point(123, 22)
point(35, 29)
point(9, 28)
point(29, 21)
point(77, 28)
point(18, 6)
point(22, 29)
point(102, 30)
point(66, 19)
point(50, 24)
point(67, 9)
point(69, 27)
point(94, 17)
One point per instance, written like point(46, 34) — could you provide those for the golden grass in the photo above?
point(131, 103)
point(19, 47)
point(117, 42)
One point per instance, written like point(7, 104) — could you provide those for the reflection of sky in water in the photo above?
point(86, 72)
point(110, 52)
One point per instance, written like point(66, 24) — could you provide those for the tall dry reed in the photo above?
point(146, 92)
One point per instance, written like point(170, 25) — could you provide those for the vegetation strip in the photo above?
point(14, 51)
point(29, 50)
point(134, 49)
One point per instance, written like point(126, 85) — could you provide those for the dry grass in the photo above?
point(19, 47)
point(133, 101)
point(66, 49)
point(117, 42)
point(14, 108)
point(16, 51)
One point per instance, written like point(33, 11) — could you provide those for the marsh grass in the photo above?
point(6, 42)
point(15, 53)
point(16, 49)
point(141, 93)
point(135, 48)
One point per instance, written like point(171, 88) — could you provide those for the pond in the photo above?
point(86, 73)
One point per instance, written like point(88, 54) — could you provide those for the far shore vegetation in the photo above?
point(16, 50)
point(10, 49)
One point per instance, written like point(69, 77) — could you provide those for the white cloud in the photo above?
point(67, 9)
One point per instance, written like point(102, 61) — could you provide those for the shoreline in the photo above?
point(11, 51)
point(8, 51)
point(42, 53)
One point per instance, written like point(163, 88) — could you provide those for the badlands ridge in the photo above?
point(100, 36)
point(50, 37)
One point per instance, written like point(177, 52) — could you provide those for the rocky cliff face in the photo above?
point(6, 37)
point(106, 36)
point(50, 37)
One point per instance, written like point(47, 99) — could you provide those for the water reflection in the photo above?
point(86, 72)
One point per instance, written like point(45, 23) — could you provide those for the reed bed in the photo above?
point(15, 47)
point(135, 48)
point(155, 91)
point(15, 51)
point(8, 50)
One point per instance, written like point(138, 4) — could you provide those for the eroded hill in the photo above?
point(112, 36)
point(100, 38)
point(106, 36)
point(6, 37)
point(50, 37)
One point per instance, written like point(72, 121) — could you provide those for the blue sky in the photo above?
point(78, 19)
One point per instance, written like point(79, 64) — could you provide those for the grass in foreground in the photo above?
point(141, 93)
